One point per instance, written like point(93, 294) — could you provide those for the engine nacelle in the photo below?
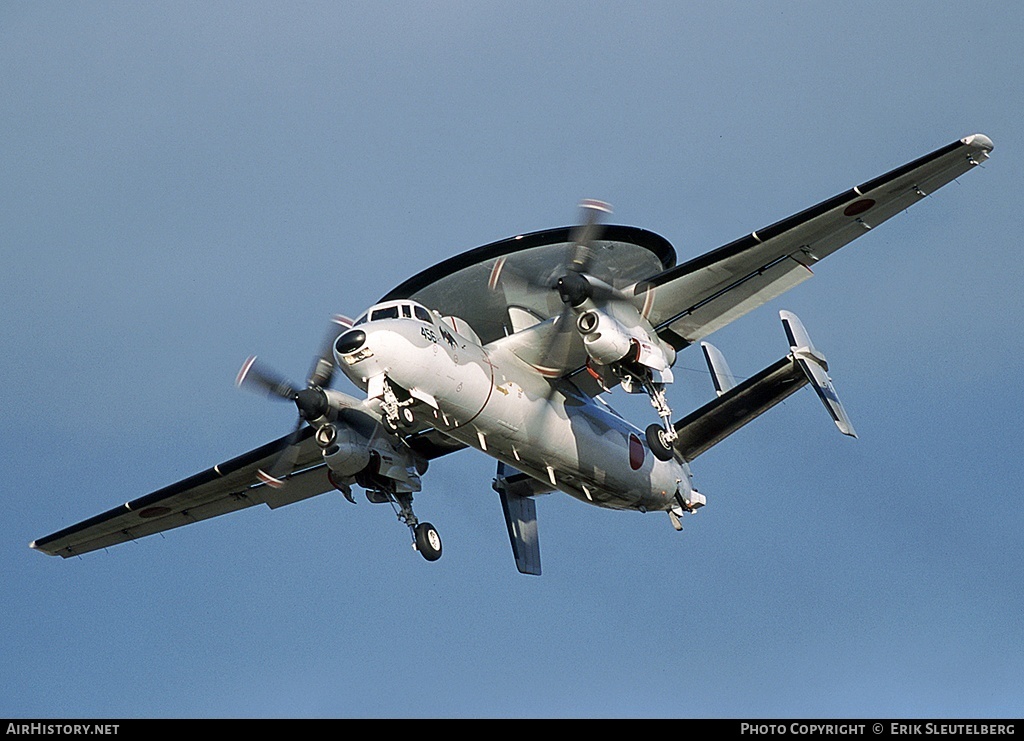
point(609, 342)
point(605, 339)
point(346, 452)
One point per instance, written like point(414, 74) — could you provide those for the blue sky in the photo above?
point(185, 184)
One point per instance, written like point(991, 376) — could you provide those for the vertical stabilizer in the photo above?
point(721, 376)
point(814, 364)
point(516, 490)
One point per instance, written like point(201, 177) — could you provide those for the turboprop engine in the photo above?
point(609, 342)
point(605, 339)
point(345, 451)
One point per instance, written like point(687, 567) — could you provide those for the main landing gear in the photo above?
point(425, 538)
point(660, 437)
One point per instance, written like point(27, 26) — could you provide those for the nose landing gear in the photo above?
point(396, 412)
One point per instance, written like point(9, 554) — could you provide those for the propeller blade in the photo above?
point(584, 235)
point(257, 377)
point(561, 341)
point(285, 462)
point(322, 371)
point(311, 401)
point(578, 262)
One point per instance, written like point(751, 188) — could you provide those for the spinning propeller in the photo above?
point(571, 282)
point(574, 281)
point(573, 286)
point(311, 401)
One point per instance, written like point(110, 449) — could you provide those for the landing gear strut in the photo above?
point(660, 437)
point(425, 538)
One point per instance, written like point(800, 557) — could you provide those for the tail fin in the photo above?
point(517, 491)
point(815, 365)
point(739, 403)
point(721, 376)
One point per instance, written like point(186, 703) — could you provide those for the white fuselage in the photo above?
point(487, 398)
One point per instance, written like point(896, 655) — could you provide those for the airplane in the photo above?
point(510, 349)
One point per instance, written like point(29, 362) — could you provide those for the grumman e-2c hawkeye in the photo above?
point(509, 348)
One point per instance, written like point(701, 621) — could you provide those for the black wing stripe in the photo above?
point(155, 498)
point(763, 235)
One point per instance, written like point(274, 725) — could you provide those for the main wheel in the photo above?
point(406, 417)
point(428, 542)
point(656, 442)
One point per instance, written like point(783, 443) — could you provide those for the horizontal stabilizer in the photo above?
point(738, 404)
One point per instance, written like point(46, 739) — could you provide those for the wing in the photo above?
point(226, 487)
point(692, 300)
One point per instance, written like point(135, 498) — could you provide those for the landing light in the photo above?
point(355, 357)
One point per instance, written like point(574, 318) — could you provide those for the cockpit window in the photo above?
point(407, 311)
point(360, 320)
point(421, 313)
point(391, 312)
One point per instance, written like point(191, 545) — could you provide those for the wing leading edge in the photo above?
point(226, 487)
point(692, 300)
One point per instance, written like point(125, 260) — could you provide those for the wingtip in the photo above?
point(979, 140)
point(34, 545)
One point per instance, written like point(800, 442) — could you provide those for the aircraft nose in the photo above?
point(350, 341)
